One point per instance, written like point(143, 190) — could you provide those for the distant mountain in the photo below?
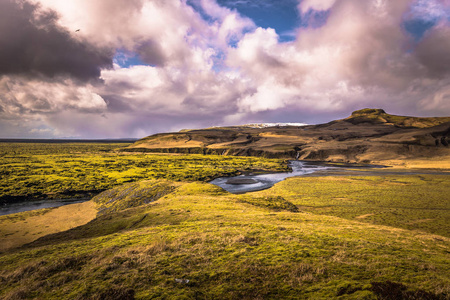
point(380, 116)
point(67, 140)
point(368, 135)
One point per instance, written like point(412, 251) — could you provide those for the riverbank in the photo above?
point(256, 182)
point(24, 206)
point(22, 228)
point(312, 238)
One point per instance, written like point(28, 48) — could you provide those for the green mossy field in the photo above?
point(76, 170)
point(332, 237)
point(415, 202)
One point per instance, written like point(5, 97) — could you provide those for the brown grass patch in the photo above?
point(364, 216)
point(19, 232)
point(442, 163)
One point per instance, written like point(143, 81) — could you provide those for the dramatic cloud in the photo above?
point(33, 44)
point(433, 51)
point(360, 57)
point(199, 63)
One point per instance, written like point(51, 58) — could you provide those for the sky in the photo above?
point(132, 68)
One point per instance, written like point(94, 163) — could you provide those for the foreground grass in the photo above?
point(197, 241)
point(415, 202)
point(35, 171)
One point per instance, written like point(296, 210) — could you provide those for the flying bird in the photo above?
point(77, 30)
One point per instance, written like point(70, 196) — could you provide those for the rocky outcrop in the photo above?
point(367, 135)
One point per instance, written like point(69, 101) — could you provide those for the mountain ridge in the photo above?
point(366, 136)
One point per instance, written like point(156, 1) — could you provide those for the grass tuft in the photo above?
point(276, 203)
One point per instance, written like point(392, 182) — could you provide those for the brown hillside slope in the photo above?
point(368, 135)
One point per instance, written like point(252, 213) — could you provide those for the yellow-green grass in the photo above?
point(415, 202)
point(199, 241)
point(33, 171)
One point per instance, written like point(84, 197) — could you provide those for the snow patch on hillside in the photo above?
point(265, 125)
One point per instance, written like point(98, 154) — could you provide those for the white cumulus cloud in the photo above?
point(203, 64)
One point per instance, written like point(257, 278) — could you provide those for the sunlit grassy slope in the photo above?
point(306, 238)
point(411, 202)
point(22, 228)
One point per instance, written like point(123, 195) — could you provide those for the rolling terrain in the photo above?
point(157, 229)
point(306, 238)
point(367, 136)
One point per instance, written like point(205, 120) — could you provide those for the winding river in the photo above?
point(237, 185)
point(250, 183)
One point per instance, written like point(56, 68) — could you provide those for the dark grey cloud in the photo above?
point(117, 104)
point(32, 44)
point(203, 105)
point(151, 53)
point(433, 52)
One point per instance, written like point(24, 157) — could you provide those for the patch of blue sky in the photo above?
point(198, 8)
point(219, 62)
point(126, 59)
point(281, 15)
point(314, 18)
point(424, 15)
point(417, 27)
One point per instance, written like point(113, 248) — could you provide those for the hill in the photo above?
point(380, 235)
point(367, 136)
point(306, 238)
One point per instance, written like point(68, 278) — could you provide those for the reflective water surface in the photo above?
point(12, 208)
point(249, 183)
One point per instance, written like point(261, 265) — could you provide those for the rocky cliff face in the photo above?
point(368, 135)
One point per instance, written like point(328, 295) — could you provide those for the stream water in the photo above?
point(12, 208)
point(258, 182)
point(244, 183)
point(250, 183)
